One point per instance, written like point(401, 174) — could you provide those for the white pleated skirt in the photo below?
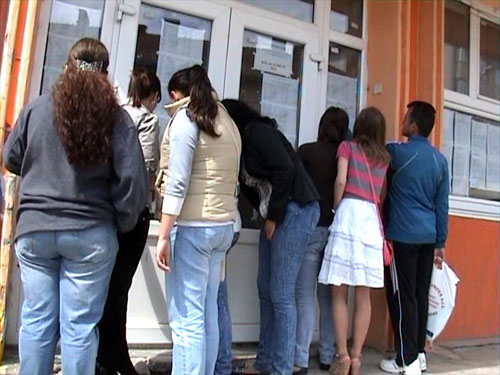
point(353, 255)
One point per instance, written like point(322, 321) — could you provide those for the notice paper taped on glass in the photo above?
point(278, 60)
point(180, 47)
point(478, 155)
point(343, 92)
point(279, 101)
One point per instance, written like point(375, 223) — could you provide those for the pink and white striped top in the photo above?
point(358, 180)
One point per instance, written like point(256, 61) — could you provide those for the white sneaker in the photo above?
point(413, 368)
point(423, 361)
point(390, 366)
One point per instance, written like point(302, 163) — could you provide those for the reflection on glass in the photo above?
point(70, 20)
point(456, 47)
point(346, 16)
point(168, 41)
point(344, 73)
point(300, 9)
point(271, 79)
point(489, 83)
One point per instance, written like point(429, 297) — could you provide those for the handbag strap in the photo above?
point(372, 188)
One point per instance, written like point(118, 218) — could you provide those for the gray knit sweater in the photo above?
point(56, 195)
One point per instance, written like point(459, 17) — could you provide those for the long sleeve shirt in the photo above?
point(268, 155)
point(184, 135)
point(56, 195)
point(418, 193)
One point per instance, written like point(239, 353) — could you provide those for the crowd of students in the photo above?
point(92, 170)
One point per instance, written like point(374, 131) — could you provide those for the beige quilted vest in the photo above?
point(213, 184)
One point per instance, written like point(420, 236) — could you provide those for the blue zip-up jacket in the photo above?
point(418, 195)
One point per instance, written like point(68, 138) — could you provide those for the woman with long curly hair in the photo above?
point(83, 178)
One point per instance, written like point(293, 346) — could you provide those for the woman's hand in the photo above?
point(270, 228)
point(163, 253)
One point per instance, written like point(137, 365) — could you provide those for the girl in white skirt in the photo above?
point(353, 255)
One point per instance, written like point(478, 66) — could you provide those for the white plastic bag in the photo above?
point(442, 293)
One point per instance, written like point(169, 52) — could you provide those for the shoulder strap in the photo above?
point(376, 200)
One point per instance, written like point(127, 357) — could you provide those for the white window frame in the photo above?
point(322, 17)
point(476, 105)
point(108, 37)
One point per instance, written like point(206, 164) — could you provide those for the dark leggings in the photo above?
point(113, 349)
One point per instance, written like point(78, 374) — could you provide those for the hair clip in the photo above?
point(95, 66)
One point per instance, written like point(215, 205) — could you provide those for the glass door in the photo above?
point(269, 67)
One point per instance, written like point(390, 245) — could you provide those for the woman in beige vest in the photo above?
point(199, 168)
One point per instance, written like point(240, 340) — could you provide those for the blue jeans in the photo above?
point(224, 364)
point(279, 263)
point(192, 284)
point(65, 277)
point(307, 286)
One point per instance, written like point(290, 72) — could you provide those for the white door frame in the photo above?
point(219, 15)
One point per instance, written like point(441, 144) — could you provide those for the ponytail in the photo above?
point(203, 109)
point(142, 85)
point(85, 105)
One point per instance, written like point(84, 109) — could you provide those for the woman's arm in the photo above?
point(340, 181)
point(183, 138)
point(265, 141)
point(15, 146)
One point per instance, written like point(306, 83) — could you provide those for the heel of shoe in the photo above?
point(355, 366)
point(341, 365)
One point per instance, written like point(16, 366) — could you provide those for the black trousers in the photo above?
point(113, 349)
point(411, 304)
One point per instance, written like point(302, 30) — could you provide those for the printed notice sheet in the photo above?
point(279, 100)
point(493, 161)
point(461, 154)
point(342, 92)
point(180, 47)
point(478, 155)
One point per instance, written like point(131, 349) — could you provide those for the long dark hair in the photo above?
point(194, 82)
point(333, 126)
point(369, 133)
point(85, 105)
point(143, 83)
point(242, 114)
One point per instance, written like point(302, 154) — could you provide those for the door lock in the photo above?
point(318, 58)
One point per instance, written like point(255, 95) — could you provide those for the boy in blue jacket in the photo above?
point(417, 224)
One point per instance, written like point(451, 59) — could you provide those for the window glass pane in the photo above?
point(471, 145)
point(489, 83)
point(301, 9)
point(456, 47)
point(344, 71)
point(270, 82)
point(70, 20)
point(346, 16)
point(168, 41)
